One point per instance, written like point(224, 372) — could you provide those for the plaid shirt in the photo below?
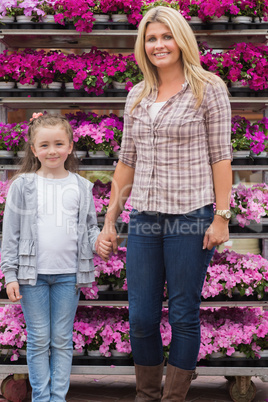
point(172, 156)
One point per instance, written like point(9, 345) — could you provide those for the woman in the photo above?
point(176, 158)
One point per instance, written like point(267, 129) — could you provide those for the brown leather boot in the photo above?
point(148, 382)
point(177, 384)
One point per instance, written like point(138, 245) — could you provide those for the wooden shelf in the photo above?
point(255, 104)
point(115, 39)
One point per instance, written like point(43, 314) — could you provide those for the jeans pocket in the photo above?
point(205, 213)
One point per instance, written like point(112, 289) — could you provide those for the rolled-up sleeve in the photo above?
point(128, 154)
point(218, 123)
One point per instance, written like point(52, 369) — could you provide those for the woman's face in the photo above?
point(160, 46)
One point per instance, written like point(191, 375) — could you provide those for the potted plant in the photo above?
point(249, 205)
point(28, 12)
point(240, 142)
point(243, 12)
point(231, 274)
point(98, 13)
point(258, 137)
point(7, 11)
point(79, 13)
point(147, 5)
point(7, 65)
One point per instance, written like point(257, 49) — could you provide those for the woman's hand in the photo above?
point(217, 233)
point(13, 291)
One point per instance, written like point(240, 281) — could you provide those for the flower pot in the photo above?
point(80, 154)
point(261, 159)
point(69, 85)
point(240, 89)
point(119, 18)
point(242, 22)
point(53, 85)
point(77, 353)
point(263, 353)
point(5, 352)
point(24, 18)
point(94, 353)
point(242, 19)
point(239, 84)
point(101, 17)
point(241, 158)
point(216, 355)
point(119, 85)
point(222, 18)
point(115, 353)
point(103, 288)
point(48, 19)
point(218, 23)
point(7, 20)
point(7, 85)
point(21, 154)
point(22, 352)
point(98, 154)
point(6, 154)
point(239, 355)
point(196, 20)
point(27, 86)
point(25, 22)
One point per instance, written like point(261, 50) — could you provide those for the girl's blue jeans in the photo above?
point(166, 247)
point(49, 309)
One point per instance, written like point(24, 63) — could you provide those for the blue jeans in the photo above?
point(166, 247)
point(49, 309)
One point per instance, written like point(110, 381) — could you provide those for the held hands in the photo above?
point(103, 248)
point(216, 234)
point(108, 234)
point(13, 291)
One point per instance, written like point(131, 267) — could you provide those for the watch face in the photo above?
point(228, 215)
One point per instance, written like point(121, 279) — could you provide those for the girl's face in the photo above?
point(51, 146)
point(160, 46)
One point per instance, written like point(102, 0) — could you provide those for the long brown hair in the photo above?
point(195, 75)
point(30, 163)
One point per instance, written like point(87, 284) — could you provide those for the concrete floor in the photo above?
point(87, 388)
point(109, 388)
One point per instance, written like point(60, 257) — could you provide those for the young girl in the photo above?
point(49, 234)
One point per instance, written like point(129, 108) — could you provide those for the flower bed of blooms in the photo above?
point(101, 196)
point(91, 132)
point(249, 136)
point(111, 272)
point(97, 133)
point(230, 271)
point(105, 329)
point(4, 186)
point(13, 334)
point(81, 12)
point(249, 203)
point(92, 71)
point(13, 136)
point(244, 62)
point(227, 330)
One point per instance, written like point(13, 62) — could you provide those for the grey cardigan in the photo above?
point(20, 242)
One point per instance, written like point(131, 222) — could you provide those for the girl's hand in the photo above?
point(13, 291)
point(217, 233)
point(104, 248)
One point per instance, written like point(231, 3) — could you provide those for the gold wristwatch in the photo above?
point(224, 213)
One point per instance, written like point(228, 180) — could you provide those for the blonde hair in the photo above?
point(195, 75)
point(30, 163)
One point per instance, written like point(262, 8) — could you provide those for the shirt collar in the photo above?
point(153, 94)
